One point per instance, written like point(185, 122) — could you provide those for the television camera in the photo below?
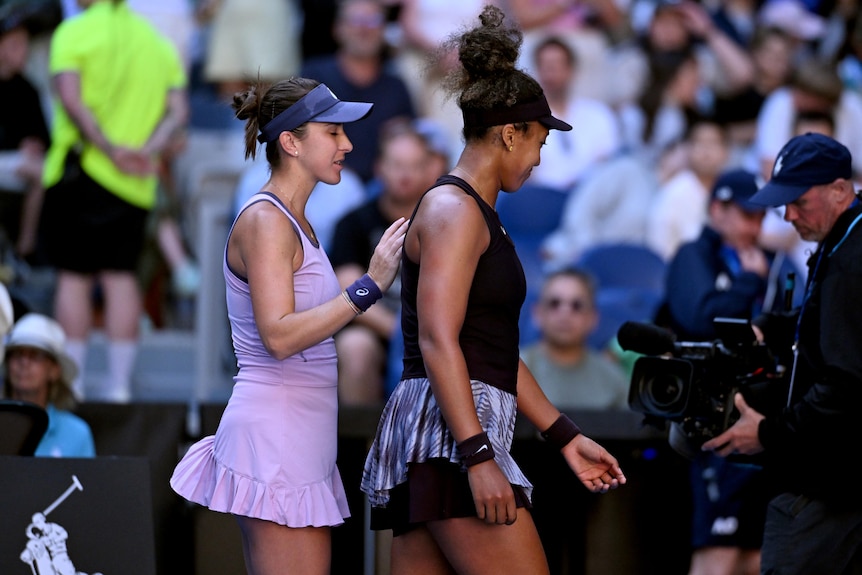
point(692, 384)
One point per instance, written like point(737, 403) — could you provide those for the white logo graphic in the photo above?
point(46, 552)
point(362, 292)
point(723, 282)
point(779, 163)
point(724, 194)
point(725, 526)
point(481, 449)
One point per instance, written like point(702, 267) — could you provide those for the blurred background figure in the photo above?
point(424, 26)
point(167, 254)
point(589, 27)
point(249, 40)
point(725, 272)
point(570, 156)
point(23, 140)
point(361, 70)
point(37, 369)
point(572, 375)
point(654, 69)
point(772, 54)
point(412, 155)
point(679, 209)
point(111, 125)
point(814, 87)
point(662, 114)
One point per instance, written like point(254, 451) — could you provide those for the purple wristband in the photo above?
point(364, 292)
point(474, 450)
point(561, 432)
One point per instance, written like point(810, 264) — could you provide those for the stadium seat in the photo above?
point(630, 286)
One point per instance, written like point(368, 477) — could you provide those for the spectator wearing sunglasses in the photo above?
point(572, 374)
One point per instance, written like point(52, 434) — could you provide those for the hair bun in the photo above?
point(246, 103)
point(492, 48)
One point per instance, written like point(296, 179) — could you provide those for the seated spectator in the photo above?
point(772, 52)
point(850, 56)
point(425, 57)
point(590, 28)
point(666, 30)
point(574, 377)
point(679, 209)
point(660, 116)
point(407, 166)
point(571, 374)
point(815, 87)
point(568, 156)
point(37, 369)
point(360, 71)
point(802, 21)
point(724, 272)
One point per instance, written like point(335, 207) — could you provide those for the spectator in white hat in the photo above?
point(37, 369)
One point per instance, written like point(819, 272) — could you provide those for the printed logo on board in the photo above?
point(46, 552)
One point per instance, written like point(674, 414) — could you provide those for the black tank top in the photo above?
point(489, 337)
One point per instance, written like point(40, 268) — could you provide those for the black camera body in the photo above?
point(692, 385)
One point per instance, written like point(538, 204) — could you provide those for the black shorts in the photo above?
point(85, 228)
point(729, 503)
point(435, 489)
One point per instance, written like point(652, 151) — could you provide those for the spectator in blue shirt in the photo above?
point(38, 370)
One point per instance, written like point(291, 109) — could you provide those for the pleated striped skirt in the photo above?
point(413, 433)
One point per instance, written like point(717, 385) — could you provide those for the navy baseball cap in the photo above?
point(738, 186)
point(805, 161)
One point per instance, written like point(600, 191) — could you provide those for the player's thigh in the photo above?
point(416, 553)
point(474, 547)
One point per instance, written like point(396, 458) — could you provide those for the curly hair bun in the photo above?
point(492, 48)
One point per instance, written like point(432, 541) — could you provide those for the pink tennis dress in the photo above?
point(273, 455)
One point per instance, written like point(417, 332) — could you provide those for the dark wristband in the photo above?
point(474, 450)
point(561, 432)
point(364, 292)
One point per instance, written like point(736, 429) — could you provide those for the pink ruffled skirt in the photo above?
point(272, 457)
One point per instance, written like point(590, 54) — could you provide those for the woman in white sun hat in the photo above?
point(37, 369)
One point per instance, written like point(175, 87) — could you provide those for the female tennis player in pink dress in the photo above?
point(271, 463)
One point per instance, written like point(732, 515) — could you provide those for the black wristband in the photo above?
point(474, 450)
point(561, 432)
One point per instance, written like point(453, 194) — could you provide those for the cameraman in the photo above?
point(814, 523)
point(724, 273)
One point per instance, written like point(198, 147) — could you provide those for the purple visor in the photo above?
point(319, 105)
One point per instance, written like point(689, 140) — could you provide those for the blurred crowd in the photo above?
point(664, 96)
